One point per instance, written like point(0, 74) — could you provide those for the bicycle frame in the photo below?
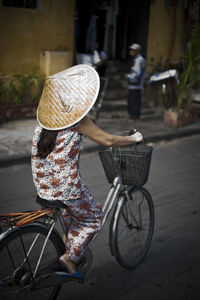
point(112, 197)
point(57, 215)
point(116, 189)
point(111, 200)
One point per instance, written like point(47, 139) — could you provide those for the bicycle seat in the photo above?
point(50, 203)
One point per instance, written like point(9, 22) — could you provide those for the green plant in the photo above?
point(20, 88)
point(190, 74)
point(13, 92)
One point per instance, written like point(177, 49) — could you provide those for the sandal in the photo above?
point(77, 276)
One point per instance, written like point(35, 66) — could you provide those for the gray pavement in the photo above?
point(16, 136)
point(171, 270)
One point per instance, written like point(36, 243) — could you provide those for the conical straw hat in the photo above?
point(67, 97)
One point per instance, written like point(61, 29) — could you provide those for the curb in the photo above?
point(172, 135)
point(22, 159)
point(14, 160)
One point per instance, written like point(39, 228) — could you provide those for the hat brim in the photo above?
point(80, 84)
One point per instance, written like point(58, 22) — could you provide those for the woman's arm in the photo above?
point(89, 129)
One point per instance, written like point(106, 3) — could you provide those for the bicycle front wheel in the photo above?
point(132, 228)
point(19, 255)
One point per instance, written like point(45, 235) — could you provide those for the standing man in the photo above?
point(135, 82)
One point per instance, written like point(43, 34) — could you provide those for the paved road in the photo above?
point(172, 268)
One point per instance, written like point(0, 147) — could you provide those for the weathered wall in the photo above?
point(26, 33)
point(162, 32)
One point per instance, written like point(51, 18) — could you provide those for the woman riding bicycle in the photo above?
point(66, 99)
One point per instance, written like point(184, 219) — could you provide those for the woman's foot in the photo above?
point(68, 264)
point(71, 273)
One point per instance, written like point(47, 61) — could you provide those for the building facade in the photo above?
point(36, 36)
point(44, 35)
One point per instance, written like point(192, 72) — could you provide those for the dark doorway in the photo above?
point(84, 10)
point(119, 23)
point(132, 26)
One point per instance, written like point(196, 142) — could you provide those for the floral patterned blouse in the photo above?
point(57, 177)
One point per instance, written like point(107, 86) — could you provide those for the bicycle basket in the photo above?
point(132, 162)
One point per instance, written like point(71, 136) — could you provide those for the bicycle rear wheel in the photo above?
point(131, 234)
point(169, 93)
point(16, 271)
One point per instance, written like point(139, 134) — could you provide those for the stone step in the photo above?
point(116, 105)
point(120, 110)
point(121, 115)
point(119, 104)
point(115, 93)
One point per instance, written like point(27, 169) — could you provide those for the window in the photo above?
point(32, 4)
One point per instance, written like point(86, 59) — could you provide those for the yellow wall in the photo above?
point(161, 32)
point(26, 33)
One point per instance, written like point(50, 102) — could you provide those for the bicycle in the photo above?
point(161, 84)
point(167, 81)
point(31, 246)
point(95, 111)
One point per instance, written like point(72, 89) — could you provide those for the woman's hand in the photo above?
point(137, 137)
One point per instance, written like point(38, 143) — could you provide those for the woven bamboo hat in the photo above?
point(67, 97)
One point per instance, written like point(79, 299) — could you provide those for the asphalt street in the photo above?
point(171, 270)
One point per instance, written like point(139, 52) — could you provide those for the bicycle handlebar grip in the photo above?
point(132, 131)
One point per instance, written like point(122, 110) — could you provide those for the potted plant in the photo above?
point(184, 113)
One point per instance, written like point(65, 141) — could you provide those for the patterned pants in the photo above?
point(83, 219)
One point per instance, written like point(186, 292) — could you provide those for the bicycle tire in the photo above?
point(169, 97)
point(12, 240)
point(129, 241)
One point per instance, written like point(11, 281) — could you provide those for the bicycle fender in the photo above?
point(6, 233)
point(12, 230)
point(113, 223)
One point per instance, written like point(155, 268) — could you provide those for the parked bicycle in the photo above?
point(168, 81)
point(95, 111)
point(31, 246)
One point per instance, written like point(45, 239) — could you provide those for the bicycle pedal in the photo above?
point(81, 281)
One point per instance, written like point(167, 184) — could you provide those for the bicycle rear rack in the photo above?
point(22, 218)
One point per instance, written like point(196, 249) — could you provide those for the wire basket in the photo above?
point(132, 162)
